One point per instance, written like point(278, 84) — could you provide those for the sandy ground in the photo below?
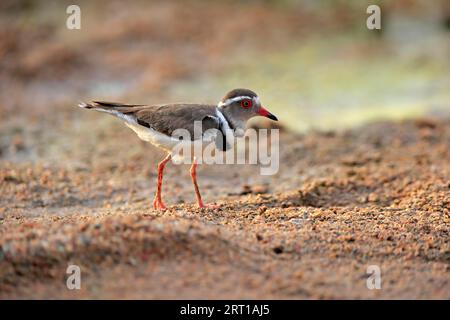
point(342, 201)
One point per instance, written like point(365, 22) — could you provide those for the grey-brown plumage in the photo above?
point(166, 118)
point(240, 92)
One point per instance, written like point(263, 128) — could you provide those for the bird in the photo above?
point(157, 123)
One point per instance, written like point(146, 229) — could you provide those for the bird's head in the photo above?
point(239, 105)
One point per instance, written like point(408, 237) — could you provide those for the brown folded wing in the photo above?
point(167, 118)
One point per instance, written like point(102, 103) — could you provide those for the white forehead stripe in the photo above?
point(231, 100)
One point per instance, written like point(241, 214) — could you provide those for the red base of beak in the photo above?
point(263, 112)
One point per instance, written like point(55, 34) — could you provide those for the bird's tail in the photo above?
point(120, 110)
point(107, 105)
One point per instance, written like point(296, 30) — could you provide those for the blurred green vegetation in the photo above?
point(341, 80)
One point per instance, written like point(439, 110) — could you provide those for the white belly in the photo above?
point(154, 137)
point(173, 145)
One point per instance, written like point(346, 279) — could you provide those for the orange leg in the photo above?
point(157, 202)
point(194, 181)
point(197, 192)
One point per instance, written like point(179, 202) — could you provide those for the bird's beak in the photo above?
point(263, 112)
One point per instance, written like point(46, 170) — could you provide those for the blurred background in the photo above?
point(314, 63)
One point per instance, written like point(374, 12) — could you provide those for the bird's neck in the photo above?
point(237, 126)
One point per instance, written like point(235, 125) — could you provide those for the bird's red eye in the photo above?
point(246, 103)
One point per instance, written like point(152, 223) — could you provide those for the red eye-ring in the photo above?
point(246, 103)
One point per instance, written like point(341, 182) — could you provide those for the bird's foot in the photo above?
point(208, 206)
point(158, 204)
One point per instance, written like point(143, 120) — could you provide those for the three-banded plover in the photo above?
point(156, 124)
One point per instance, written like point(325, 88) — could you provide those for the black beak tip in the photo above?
point(272, 117)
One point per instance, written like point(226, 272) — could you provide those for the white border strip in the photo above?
point(223, 120)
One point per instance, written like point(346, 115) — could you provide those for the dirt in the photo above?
point(341, 201)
